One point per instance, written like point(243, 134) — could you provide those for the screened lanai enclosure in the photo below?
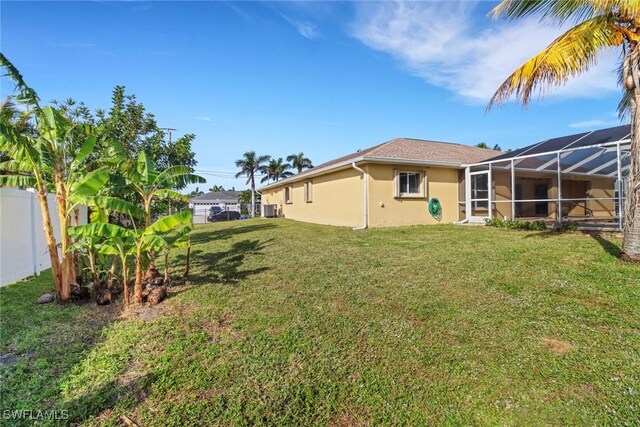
point(579, 177)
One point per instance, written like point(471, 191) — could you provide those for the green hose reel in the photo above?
point(435, 209)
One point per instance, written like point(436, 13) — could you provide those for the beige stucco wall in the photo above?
point(336, 200)
point(385, 210)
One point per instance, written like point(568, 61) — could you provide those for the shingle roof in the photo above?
point(431, 151)
point(218, 197)
point(407, 149)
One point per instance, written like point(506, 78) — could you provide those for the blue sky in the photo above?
point(326, 78)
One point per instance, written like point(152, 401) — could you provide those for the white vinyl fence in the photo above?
point(23, 247)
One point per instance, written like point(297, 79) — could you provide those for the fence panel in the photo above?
point(23, 246)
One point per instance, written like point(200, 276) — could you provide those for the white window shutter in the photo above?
point(396, 183)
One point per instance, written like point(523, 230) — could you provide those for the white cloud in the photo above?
point(306, 29)
point(204, 118)
point(442, 43)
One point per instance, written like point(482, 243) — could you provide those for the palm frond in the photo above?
point(17, 181)
point(571, 54)
point(565, 10)
point(26, 94)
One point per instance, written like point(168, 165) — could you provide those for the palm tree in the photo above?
point(196, 192)
point(599, 26)
point(275, 170)
point(299, 161)
point(216, 188)
point(249, 165)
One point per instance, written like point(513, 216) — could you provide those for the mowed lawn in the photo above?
point(295, 324)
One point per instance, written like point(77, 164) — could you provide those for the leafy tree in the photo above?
point(598, 26)
point(217, 188)
point(275, 169)
point(299, 161)
point(249, 165)
point(485, 145)
point(128, 122)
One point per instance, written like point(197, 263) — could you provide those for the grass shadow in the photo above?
point(542, 234)
point(608, 246)
point(204, 236)
point(123, 394)
point(225, 266)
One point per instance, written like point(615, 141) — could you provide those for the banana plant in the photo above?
point(178, 238)
point(90, 238)
point(150, 184)
point(150, 239)
point(121, 245)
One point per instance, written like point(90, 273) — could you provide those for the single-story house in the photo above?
point(579, 177)
point(201, 205)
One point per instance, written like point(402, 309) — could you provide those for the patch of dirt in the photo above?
point(415, 322)
point(148, 313)
point(556, 346)
point(219, 326)
point(8, 359)
point(349, 420)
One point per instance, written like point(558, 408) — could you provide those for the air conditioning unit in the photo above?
point(269, 211)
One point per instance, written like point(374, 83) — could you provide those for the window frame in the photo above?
point(422, 184)
point(308, 191)
point(288, 194)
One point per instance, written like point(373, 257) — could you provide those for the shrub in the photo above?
point(564, 226)
point(516, 225)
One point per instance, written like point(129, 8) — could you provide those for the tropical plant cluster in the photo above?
point(55, 149)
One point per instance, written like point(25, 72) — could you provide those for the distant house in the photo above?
point(201, 205)
point(579, 177)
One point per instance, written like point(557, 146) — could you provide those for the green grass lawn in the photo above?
point(296, 324)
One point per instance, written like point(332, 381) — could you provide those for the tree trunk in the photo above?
point(631, 240)
point(137, 288)
point(51, 240)
point(188, 259)
point(147, 223)
point(125, 281)
point(253, 197)
point(166, 266)
point(68, 274)
point(112, 275)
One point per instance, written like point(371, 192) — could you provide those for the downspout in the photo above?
point(365, 196)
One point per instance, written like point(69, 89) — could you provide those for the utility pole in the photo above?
point(169, 130)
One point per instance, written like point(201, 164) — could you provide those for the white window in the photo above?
point(410, 184)
point(288, 195)
point(308, 192)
